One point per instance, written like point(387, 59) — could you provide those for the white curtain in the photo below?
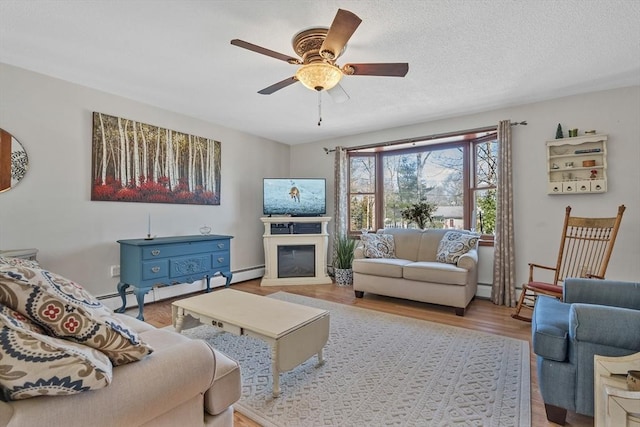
point(503, 291)
point(340, 192)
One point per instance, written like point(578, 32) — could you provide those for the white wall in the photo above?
point(538, 216)
point(51, 208)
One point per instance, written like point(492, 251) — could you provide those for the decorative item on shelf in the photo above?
point(205, 230)
point(594, 174)
point(568, 164)
point(588, 150)
point(588, 163)
point(573, 132)
point(343, 261)
point(590, 132)
point(555, 166)
point(566, 176)
point(559, 134)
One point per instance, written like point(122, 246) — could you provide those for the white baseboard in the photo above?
point(484, 291)
point(113, 301)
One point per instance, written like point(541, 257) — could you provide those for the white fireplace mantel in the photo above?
point(287, 237)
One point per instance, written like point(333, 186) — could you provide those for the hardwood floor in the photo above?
point(482, 315)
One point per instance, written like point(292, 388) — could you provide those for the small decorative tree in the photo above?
point(559, 134)
point(421, 213)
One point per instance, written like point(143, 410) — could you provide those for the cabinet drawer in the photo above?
point(554, 187)
point(190, 265)
point(155, 269)
point(598, 186)
point(569, 187)
point(220, 259)
point(166, 251)
point(583, 186)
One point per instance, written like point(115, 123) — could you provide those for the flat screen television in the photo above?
point(294, 196)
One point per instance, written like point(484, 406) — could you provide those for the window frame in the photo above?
point(466, 141)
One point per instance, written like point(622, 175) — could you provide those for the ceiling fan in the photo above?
point(319, 48)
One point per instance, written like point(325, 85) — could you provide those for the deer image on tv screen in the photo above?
point(294, 196)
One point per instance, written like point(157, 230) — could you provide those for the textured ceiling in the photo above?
point(464, 56)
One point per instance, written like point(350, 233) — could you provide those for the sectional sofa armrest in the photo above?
point(469, 260)
point(603, 292)
point(153, 385)
point(604, 325)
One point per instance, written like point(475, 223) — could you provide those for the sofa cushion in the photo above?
point(65, 310)
point(378, 245)
point(407, 242)
point(550, 328)
point(454, 244)
point(34, 364)
point(435, 272)
point(384, 267)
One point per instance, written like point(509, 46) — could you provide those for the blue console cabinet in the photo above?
point(171, 260)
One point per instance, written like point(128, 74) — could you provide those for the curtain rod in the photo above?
point(423, 138)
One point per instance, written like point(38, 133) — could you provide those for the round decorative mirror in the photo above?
point(13, 161)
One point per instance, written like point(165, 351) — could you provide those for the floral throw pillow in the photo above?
point(18, 262)
point(454, 244)
point(34, 364)
point(378, 245)
point(65, 310)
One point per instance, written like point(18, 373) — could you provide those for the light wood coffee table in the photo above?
point(294, 332)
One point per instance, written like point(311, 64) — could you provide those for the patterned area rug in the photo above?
point(383, 369)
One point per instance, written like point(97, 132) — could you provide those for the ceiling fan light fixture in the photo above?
point(319, 76)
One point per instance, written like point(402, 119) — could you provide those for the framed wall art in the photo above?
point(138, 162)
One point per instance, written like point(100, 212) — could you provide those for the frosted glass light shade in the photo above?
point(319, 76)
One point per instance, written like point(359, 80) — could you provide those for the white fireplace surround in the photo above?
point(271, 242)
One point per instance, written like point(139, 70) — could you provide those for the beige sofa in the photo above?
point(415, 274)
point(184, 382)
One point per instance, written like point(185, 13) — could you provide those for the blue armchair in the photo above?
point(594, 317)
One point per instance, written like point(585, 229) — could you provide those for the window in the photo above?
point(455, 173)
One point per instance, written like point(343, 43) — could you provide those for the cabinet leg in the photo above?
point(122, 287)
point(227, 275)
point(140, 299)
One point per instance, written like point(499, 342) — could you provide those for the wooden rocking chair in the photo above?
point(585, 249)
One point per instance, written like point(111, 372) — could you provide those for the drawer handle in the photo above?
point(221, 245)
point(155, 269)
point(155, 252)
point(221, 259)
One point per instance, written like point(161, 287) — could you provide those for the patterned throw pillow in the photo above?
point(34, 364)
point(19, 262)
point(378, 245)
point(65, 310)
point(454, 244)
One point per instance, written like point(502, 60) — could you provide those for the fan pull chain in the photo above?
point(319, 107)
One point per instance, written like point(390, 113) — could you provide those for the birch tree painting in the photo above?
point(137, 162)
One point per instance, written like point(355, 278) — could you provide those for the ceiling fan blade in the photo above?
point(341, 30)
point(338, 94)
point(389, 69)
point(265, 51)
point(280, 85)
